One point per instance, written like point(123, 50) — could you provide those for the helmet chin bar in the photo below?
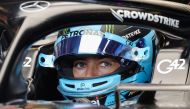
point(147, 87)
point(88, 87)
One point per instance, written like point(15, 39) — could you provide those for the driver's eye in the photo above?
point(80, 64)
point(105, 64)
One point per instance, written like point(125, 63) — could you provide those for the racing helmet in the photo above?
point(131, 46)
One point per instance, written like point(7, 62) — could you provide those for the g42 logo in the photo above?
point(172, 65)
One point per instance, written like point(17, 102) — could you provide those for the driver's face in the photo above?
point(93, 67)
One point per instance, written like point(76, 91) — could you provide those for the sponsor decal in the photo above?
point(96, 102)
point(177, 64)
point(132, 34)
point(127, 14)
point(83, 87)
point(34, 6)
point(83, 32)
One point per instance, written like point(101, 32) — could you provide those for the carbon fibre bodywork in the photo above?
point(24, 27)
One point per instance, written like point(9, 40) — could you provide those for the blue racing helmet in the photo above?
point(132, 47)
